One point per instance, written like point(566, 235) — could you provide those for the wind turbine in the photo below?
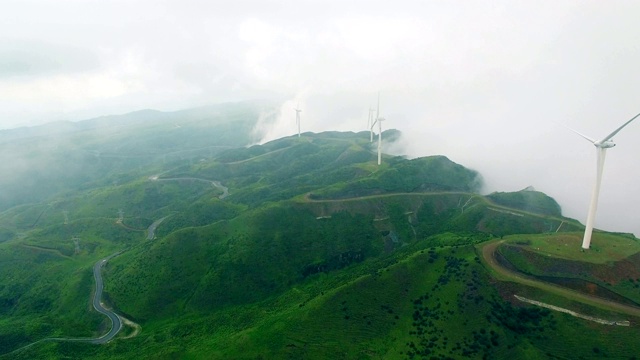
point(601, 148)
point(298, 111)
point(369, 120)
point(378, 121)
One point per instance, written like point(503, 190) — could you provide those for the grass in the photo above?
point(259, 275)
point(549, 297)
point(44, 295)
point(48, 287)
point(604, 248)
point(580, 280)
point(421, 300)
point(435, 301)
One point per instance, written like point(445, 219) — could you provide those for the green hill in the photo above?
point(300, 248)
point(527, 200)
point(39, 162)
point(611, 267)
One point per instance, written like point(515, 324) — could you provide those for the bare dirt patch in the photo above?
point(136, 328)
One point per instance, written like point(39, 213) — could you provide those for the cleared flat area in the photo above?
point(605, 248)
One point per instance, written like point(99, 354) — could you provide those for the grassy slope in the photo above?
point(528, 200)
point(44, 294)
point(435, 301)
point(275, 281)
point(612, 261)
point(267, 250)
point(40, 162)
point(606, 248)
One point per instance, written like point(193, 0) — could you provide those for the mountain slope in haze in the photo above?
point(297, 248)
point(528, 200)
point(41, 161)
point(340, 164)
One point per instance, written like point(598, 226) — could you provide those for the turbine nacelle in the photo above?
point(377, 121)
point(604, 144)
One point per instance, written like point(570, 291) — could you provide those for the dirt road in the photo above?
point(488, 255)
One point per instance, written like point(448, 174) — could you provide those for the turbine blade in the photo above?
point(618, 129)
point(584, 136)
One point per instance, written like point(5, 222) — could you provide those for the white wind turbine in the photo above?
point(298, 111)
point(601, 148)
point(369, 121)
point(378, 121)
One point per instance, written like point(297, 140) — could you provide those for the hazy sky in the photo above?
point(483, 82)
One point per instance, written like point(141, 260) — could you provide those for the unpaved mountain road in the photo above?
point(488, 251)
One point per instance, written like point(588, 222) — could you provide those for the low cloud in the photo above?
point(483, 83)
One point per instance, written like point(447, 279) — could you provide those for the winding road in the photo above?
point(151, 231)
point(488, 251)
point(116, 322)
point(215, 183)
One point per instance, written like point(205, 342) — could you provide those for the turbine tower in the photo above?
point(601, 148)
point(369, 124)
point(298, 111)
point(378, 121)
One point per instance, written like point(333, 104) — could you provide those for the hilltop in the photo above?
point(296, 248)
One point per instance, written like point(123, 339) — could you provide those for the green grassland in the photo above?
point(605, 248)
point(316, 253)
point(528, 200)
point(426, 302)
point(46, 284)
point(186, 269)
point(44, 293)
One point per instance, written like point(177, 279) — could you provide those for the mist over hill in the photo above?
point(300, 247)
point(38, 162)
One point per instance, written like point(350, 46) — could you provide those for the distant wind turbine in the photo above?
point(372, 124)
point(378, 121)
point(601, 148)
point(298, 111)
point(369, 121)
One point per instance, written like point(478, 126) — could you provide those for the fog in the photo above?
point(485, 83)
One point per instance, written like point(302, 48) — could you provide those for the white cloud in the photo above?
point(481, 82)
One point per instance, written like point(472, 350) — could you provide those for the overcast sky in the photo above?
point(483, 82)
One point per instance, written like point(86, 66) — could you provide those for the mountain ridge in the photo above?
point(316, 252)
